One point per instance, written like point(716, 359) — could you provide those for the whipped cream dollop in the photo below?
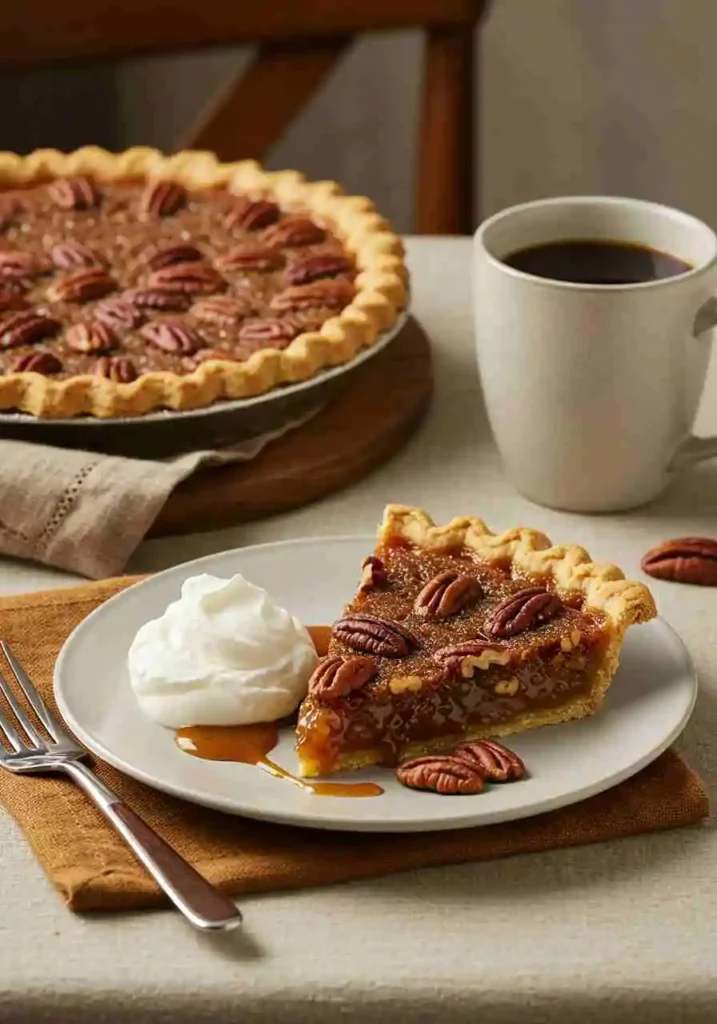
point(223, 654)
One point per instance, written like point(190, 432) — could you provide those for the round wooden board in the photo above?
point(368, 422)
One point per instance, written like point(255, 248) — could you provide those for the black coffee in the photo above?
point(596, 262)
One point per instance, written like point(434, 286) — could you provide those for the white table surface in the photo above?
point(618, 931)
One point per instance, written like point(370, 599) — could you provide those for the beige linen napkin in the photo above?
point(87, 512)
point(93, 869)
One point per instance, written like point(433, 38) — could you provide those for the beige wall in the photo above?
point(577, 96)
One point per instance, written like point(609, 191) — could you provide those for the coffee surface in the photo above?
point(596, 262)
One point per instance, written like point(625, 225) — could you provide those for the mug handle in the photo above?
point(697, 449)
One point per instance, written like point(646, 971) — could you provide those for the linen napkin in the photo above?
point(93, 869)
point(87, 512)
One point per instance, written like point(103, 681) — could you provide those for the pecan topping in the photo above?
point(249, 257)
point(15, 264)
point(157, 298)
point(446, 775)
point(252, 214)
point(37, 362)
point(119, 368)
point(312, 268)
point(161, 199)
point(447, 594)
point(369, 634)
point(293, 232)
point(331, 294)
point(494, 761)
point(471, 656)
point(173, 337)
point(684, 560)
point(78, 193)
point(9, 208)
point(527, 609)
point(208, 355)
point(224, 310)
point(12, 296)
point(93, 337)
point(119, 314)
point(373, 574)
point(25, 328)
point(72, 254)
point(82, 285)
point(190, 278)
point(169, 254)
point(335, 677)
point(270, 331)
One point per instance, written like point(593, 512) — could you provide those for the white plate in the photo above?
point(647, 707)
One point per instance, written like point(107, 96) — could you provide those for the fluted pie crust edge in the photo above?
point(381, 286)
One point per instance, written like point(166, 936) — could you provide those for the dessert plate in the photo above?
point(646, 708)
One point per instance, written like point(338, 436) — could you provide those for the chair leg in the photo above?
point(445, 185)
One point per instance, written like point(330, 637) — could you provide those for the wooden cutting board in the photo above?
point(382, 405)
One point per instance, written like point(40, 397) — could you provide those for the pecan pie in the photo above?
point(134, 281)
point(458, 633)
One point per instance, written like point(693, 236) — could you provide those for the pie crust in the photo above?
point(594, 597)
point(380, 285)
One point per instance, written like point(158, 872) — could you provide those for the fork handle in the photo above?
point(202, 905)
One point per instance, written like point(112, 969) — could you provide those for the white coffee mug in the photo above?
point(592, 390)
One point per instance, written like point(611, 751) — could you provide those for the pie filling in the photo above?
point(468, 663)
point(118, 279)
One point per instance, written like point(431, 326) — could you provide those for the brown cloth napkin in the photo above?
point(94, 870)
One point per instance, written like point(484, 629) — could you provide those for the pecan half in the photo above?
point(208, 355)
point(72, 254)
point(494, 761)
point(78, 193)
point(26, 327)
point(527, 609)
point(313, 268)
point(118, 368)
point(119, 314)
point(176, 253)
point(335, 677)
point(161, 199)
point(447, 594)
point(93, 337)
point(82, 285)
point(331, 294)
point(471, 656)
point(252, 214)
point(12, 296)
point(446, 775)
point(172, 337)
point(157, 298)
point(15, 264)
point(37, 362)
point(270, 331)
point(293, 232)
point(684, 560)
point(370, 634)
point(373, 574)
point(224, 310)
point(260, 258)
point(192, 278)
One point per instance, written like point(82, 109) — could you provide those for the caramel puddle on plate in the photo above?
point(250, 744)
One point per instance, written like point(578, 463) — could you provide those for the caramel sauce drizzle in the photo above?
point(250, 744)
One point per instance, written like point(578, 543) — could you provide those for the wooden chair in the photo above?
point(299, 42)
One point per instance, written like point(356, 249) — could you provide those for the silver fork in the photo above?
point(199, 901)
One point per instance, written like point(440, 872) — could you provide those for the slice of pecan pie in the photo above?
point(457, 632)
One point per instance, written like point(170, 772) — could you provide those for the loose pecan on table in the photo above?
point(335, 677)
point(252, 214)
point(305, 269)
point(684, 560)
point(523, 610)
point(260, 258)
point(333, 293)
point(118, 368)
point(294, 232)
point(172, 337)
point(442, 774)
point(25, 328)
point(81, 285)
point(470, 656)
point(161, 199)
point(176, 253)
point(447, 594)
point(370, 634)
point(71, 255)
point(373, 574)
point(191, 278)
point(15, 264)
point(37, 362)
point(78, 193)
point(494, 761)
point(92, 337)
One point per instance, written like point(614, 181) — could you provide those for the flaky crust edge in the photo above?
point(381, 286)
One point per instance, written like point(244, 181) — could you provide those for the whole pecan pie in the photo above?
point(132, 282)
point(458, 633)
